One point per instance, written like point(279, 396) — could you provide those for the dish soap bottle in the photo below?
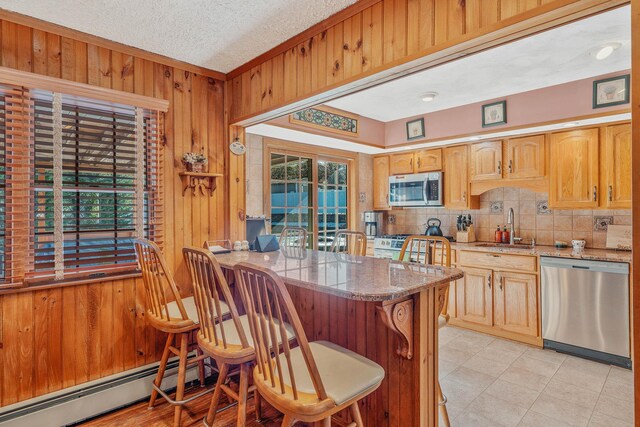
point(505, 235)
point(498, 237)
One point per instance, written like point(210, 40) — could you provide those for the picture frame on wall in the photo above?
point(415, 129)
point(494, 114)
point(611, 91)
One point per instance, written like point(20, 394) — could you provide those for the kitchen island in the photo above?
point(383, 309)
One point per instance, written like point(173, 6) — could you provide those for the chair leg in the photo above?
point(222, 376)
point(242, 395)
point(288, 421)
point(161, 369)
point(257, 400)
point(182, 373)
point(442, 402)
point(355, 414)
point(201, 372)
point(326, 422)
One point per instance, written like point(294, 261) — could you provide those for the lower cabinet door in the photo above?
point(474, 296)
point(515, 302)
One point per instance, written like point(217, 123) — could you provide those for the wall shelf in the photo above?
point(204, 182)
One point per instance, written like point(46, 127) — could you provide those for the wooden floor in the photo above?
point(162, 414)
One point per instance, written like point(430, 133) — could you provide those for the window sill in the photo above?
point(31, 285)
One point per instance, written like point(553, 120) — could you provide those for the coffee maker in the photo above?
point(372, 224)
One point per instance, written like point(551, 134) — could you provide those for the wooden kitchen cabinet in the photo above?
point(381, 183)
point(485, 161)
point(474, 296)
point(428, 160)
point(456, 179)
point(525, 157)
point(616, 167)
point(401, 163)
point(573, 171)
point(515, 302)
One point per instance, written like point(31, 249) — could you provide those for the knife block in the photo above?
point(468, 236)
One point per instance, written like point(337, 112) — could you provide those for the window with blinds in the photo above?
point(92, 186)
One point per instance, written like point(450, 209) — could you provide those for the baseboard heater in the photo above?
point(79, 403)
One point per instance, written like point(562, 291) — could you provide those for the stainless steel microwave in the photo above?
point(419, 189)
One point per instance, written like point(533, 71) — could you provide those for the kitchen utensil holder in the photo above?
point(468, 236)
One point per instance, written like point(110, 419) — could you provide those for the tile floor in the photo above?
point(494, 382)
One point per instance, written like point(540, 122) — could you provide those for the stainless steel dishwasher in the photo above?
point(585, 308)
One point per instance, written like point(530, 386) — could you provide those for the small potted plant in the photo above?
point(194, 162)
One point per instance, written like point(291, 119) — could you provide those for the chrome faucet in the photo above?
point(511, 226)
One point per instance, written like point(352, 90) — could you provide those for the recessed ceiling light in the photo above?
point(603, 52)
point(429, 96)
point(570, 124)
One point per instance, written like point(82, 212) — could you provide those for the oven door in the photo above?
point(408, 190)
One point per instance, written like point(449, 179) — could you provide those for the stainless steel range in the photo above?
point(389, 246)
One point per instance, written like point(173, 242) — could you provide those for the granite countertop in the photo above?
point(347, 276)
point(587, 253)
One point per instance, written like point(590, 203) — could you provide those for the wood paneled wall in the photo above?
point(384, 34)
point(56, 338)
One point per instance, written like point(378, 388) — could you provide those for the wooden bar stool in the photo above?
point(293, 237)
point(177, 318)
point(432, 250)
point(350, 242)
point(225, 340)
point(307, 383)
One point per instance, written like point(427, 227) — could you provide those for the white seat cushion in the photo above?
point(231, 333)
point(344, 374)
point(190, 307)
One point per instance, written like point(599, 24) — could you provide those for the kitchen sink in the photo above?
point(503, 245)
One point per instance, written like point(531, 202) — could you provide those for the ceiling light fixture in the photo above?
point(429, 96)
point(605, 51)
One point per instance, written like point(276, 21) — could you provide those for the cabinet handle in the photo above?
point(411, 162)
point(499, 167)
point(418, 162)
point(464, 196)
point(611, 193)
point(489, 280)
point(595, 193)
point(500, 282)
point(510, 166)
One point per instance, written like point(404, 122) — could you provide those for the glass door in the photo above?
point(332, 201)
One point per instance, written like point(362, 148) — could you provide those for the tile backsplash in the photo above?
point(533, 218)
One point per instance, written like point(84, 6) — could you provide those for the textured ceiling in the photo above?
point(216, 34)
point(550, 58)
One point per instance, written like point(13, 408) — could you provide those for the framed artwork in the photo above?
point(494, 114)
point(611, 91)
point(326, 119)
point(415, 129)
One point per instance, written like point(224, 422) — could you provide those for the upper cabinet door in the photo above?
point(486, 161)
point(456, 185)
point(401, 163)
point(574, 169)
point(526, 157)
point(429, 160)
point(616, 166)
point(381, 183)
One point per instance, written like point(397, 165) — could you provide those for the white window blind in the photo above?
point(92, 184)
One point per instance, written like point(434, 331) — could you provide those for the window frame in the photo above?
point(316, 154)
point(30, 85)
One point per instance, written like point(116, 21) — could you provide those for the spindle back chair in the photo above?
point(293, 237)
point(281, 371)
point(350, 242)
